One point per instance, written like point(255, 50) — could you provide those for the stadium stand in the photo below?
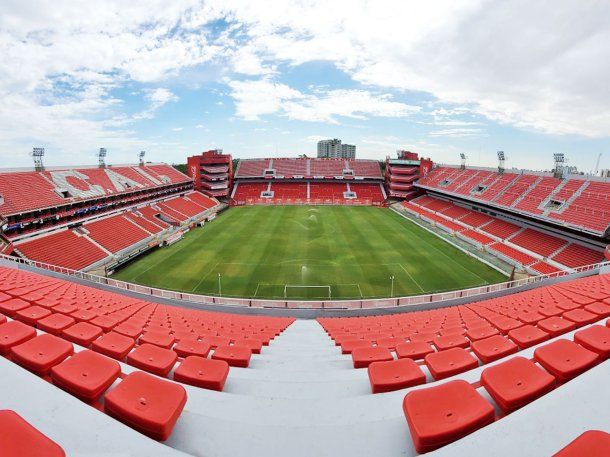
point(576, 202)
point(542, 252)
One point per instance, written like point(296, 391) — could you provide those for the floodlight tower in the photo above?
point(38, 154)
point(501, 159)
point(101, 158)
point(559, 159)
point(463, 161)
point(141, 157)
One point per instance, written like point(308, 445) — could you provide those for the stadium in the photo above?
point(249, 301)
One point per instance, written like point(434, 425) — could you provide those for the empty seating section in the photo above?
point(28, 191)
point(515, 190)
point(580, 203)
point(544, 268)
point(512, 253)
point(371, 192)
point(63, 248)
point(290, 167)
point(532, 201)
point(115, 233)
point(589, 209)
point(187, 207)
point(327, 191)
point(401, 351)
point(249, 190)
point(476, 219)
point(250, 168)
point(365, 168)
point(501, 229)
point(327, 167)
point(538, 242)
point(24, 191)
point(66, 248)
point(289, 190)
point(576, 255)
point(80, 338)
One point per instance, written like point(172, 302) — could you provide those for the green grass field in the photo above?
point(349, 252)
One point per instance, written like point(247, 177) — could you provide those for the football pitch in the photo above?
point(309, 252)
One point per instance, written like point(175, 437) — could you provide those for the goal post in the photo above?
point(314, 291)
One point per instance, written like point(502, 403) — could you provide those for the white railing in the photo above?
point(373, 303)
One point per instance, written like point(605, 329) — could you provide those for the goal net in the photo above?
point(293, 291)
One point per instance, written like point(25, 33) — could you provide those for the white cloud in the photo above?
point(177, 129)
point(156, 99)
point(459, 132)
point(261, 97)
point(517, 62)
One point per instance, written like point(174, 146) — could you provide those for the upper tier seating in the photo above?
point(575, 255)
point(580, 203)
point(289, 167)
point(64, 249)
point(29, 191)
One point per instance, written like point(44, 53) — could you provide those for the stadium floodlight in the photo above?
point(501, 159)
point(463, 160)
point(141, 157)
point(559, 157)
point(38, 154)
point(101, 158)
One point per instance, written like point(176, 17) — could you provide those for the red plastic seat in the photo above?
point(235, 356)
point(415, 351)
point(106, 323)
point(47, 302)
point(516, 382)
point(480, 333)
point(146, 403)
point(64, 308)
point(556, 325)
point(527, 336)
point(390, 342)
point(202, 372)
point(599, 308)
point(592, 443)
point(86, 375)
point(565, 359)
point(216, 341)
point(129, 330)
point(442, 414)
point(580, 317)
point(163, 340)
point(450, 341)
point(153, 358)
point(185, 348)
point(113, 345)
point(450, 362)
point(364, 356)
point(348, 346)
point(549, 311)
point(395, 375)
point(41, 353)
point(83, 315)
point(18, 438)
point(32, 314)
point(14, 333)
point(10, 307)
point(595, 338)
point(55, 323)
point(82, 333)
point(493, 348)
point(506, 325)
point(255, 345)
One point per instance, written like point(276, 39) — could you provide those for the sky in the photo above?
point(270, 78)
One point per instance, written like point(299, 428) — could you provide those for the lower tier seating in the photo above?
point(95, 241)
point(58, 329)
point(565, 325)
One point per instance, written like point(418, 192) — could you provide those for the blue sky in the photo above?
point(271, 78)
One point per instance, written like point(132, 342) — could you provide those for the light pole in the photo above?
point(392, 291)
point(219, 286)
